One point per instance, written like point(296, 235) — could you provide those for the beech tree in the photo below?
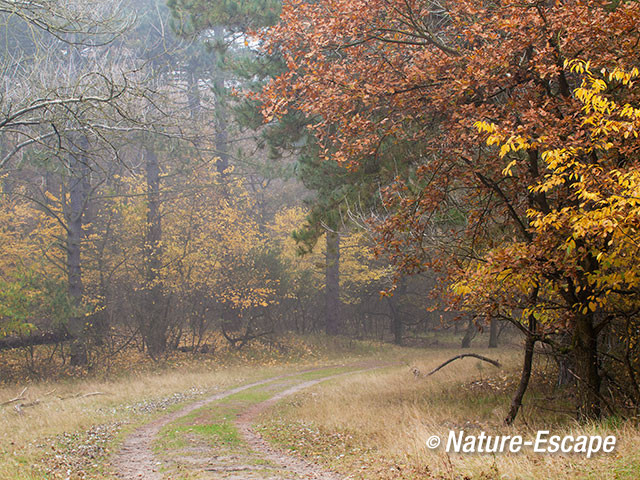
point(370, 75)
point(592, 234)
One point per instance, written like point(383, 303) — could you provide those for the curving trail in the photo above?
point(136, 460)
point(247, 457)
point(298, 466)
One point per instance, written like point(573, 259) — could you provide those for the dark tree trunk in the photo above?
point(7, 180)
point(332, 284)
point(193, 89)
point(525, 376)
point(469, 334)
point(585, 348)
point(493, 333)
point(78, 193)
point(221, 112)
point(155, 327)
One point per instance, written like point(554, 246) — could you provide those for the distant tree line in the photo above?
point(144, 205)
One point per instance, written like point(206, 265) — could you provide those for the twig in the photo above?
point(18, 398)
point(83, 395)
point(19, 406)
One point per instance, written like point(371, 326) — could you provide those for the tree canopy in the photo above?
point(514, 218)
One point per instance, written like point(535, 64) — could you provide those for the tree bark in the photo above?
point(585, 347)
point(525, 376)
point(221, 137)
point(493, 333)
point(332, 284)
point(155, 327)
point(468, 335)
point(78, 193)
point(193, 89)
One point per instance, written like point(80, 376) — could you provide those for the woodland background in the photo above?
point(201, 175)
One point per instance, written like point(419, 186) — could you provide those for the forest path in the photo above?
point(213, 438)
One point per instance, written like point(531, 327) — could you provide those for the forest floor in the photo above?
point(356, 411)
point(376, 425)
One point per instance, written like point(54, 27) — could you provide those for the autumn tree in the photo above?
point(88, 91)
point(377, 74)
point(49, 116)
point(34, 291)
point(592, 234)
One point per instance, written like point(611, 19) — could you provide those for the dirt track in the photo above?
point(246, 457)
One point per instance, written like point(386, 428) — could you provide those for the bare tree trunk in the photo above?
point(78, 192)
point(221, 112)
point(525, 376)
point(585, 345)
point(332, 284)
point(155, 327)
point(493, 333)
point(7, 180)
point(469, 334)
point(193, 90)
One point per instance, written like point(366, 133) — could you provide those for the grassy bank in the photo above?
point(375, 425)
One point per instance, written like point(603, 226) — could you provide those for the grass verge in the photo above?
point(375, 425)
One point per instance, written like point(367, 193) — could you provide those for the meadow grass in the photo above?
point(370, 425)
point(30, 440)
point(375, 425)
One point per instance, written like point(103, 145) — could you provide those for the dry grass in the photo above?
point(25, 437)
point(375, 425)
point(371, 425)
point(50, 437)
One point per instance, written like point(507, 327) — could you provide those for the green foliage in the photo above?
point(239, 15)
point(30, 299)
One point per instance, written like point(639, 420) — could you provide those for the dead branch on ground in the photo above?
point(418, 373)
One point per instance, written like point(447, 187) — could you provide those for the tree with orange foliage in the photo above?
point(592, 238)
point(372, 75)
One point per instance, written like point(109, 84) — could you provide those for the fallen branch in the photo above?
point(16, 399)
point(46, 338)
point(19, 406)
point(91, 394)
point(82, 395)
point(495, 363)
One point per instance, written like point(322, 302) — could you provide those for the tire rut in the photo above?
point(296, 465)
point(135, 459)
